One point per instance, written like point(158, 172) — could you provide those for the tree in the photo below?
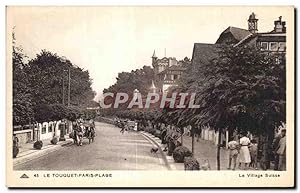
point(127, 82)
point(242, 88)
point(22, 99)
point(48, 74)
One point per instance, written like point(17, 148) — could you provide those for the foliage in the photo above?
point(38, 145)
point(48, 75)
point(54, 140)
point(39, 86)
point(242, 88)
point(190, 163)
point(45, 113)
point(127, 82)
point(22, 99)
point(180, 153)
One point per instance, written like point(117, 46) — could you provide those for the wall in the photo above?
point(24, 136)
point(42, 131)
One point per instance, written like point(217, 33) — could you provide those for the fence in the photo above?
point(41, 131)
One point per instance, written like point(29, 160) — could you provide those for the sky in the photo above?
point(109, 40)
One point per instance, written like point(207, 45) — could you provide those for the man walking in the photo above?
point(281, 151)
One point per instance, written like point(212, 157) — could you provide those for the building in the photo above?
point(273, 41)
point(167, 71)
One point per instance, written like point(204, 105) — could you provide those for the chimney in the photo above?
point(279, 25)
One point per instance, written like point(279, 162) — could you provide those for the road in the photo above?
point(111, 150)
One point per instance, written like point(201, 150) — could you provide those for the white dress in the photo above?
point(244, 156)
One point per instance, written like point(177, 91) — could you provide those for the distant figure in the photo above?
point(244, 156)
point(275, 146)
point(233, 152)
point(123, 124)
point(153, 150)
point(15, 140)
point(253, 153)
point(281, 151)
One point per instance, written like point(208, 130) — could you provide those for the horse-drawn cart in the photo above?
point(83, 130)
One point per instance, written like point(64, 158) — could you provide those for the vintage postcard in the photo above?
point(150, 96)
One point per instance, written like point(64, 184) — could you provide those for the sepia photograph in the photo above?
point(150, 96)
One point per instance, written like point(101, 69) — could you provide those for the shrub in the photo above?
point(15, 151)
point(180, 153)
point(152, 131)
point(157, 133)
point(38, 145)
point(191, 163)
point(54, 141)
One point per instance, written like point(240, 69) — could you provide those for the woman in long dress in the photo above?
point(244, 156)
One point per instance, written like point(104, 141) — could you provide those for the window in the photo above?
point(175, 77)
point(273, 46)
point(282, 46)
point(172, 77)
point(50, 127)
point(264, 46)
point(44, 129)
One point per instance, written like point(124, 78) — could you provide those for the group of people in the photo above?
point(244, 151)
point(80, 130)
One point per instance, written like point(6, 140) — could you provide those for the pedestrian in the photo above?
point(122, 124)
point(244, 156)
point(233, 146)
point(253, 153)
point(275, 145)
point(15, 140)
point(281, 151)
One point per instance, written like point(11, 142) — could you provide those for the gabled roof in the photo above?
point(203, 53)
point(237, 33)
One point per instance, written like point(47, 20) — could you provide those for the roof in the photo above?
point(237, 33)
point(203, 53)
point(173, 68)
point(263, 37)
point(154, 55)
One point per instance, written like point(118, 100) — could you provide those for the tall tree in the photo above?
point(22, 99)
point(136, 79)
point(49, 79)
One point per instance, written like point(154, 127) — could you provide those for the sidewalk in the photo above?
point(27, 152)
point(204, 150)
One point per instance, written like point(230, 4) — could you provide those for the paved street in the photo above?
point(110, 151)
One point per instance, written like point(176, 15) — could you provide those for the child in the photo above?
point(233, 152)
point(253, 153)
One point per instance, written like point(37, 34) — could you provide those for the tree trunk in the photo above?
point(218, 149)
point(181, 139)
point(193, 140)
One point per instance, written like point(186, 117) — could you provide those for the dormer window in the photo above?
point(264, 46)
point(282, 46)
point(273, 46)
